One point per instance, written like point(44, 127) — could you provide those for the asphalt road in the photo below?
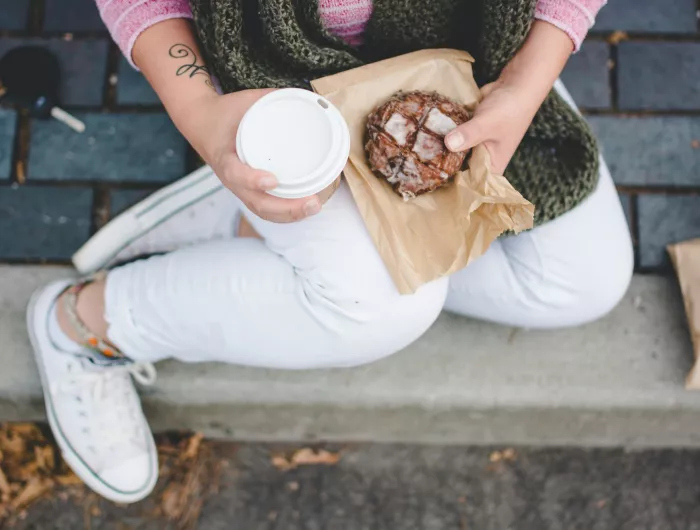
point(377, 487)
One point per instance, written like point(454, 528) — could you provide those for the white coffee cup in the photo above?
point(298, 136)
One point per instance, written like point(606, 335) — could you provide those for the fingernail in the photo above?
point(454, 140)
point(268, 183)
point(312, 207)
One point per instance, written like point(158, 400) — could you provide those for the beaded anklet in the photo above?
point(88, 339)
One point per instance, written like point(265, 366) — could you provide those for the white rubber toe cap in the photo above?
point(132, 479)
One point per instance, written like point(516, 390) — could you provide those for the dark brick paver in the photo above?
point(14, 14)
point(665, 219)
point(132, 87)
point(115, 147)
point(83, 67)
point(640, 92)
point(651, 150)
point(72, 15)
point(659, 75)
point(626, 200)
point(8, 121)
point(43, 222)
point(120, 200)
point(663, 16)
point(587, 76)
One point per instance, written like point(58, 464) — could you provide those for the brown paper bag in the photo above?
point(686, 260)
point(437, 233)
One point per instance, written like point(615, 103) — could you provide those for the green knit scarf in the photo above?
point(281, 43)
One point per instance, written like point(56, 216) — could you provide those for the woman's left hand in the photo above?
point(500, 122)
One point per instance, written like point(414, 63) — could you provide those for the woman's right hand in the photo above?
point(168, 54)
point(211, 128)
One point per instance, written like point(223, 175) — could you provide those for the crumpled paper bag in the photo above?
point(686, 260)
point(437, 233)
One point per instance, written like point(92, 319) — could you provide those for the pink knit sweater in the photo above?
point(126, 19)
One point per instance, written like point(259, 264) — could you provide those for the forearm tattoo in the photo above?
point(190, 68)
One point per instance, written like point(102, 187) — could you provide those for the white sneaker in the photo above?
point(194, 209)
point(95, 413)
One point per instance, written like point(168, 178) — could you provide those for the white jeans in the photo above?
point(316, 294)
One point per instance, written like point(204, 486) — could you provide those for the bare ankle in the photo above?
point(90, 310)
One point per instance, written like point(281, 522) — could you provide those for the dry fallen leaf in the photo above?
point(193, 446)
point(293, 486)
point(28, 468)
point(87, 518)
point(695, 144)
point(69, 479)
point(507, 455)
point(27, 430)
point(601, 503)
point(44, 457)
point(305, 457)
point(11, 443)
point(35, 488)
point(165, 450)
point(617, 36)
point(20, 172)
point(281, 463)
point(26, 471)
point(191, 474)
point(4, 485)
point(172, 501)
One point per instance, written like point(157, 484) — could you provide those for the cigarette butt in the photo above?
point(72, 122)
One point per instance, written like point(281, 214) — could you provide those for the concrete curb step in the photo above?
point(615, 382)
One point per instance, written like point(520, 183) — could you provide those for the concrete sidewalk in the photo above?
point(615, 382)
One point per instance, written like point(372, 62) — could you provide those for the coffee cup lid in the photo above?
point(298, 136)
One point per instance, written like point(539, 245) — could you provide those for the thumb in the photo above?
point(467, 135)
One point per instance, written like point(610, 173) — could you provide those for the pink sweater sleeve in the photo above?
point(575, 17)
point(127, 19)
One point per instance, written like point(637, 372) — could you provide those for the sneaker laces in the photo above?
point(110, 407)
